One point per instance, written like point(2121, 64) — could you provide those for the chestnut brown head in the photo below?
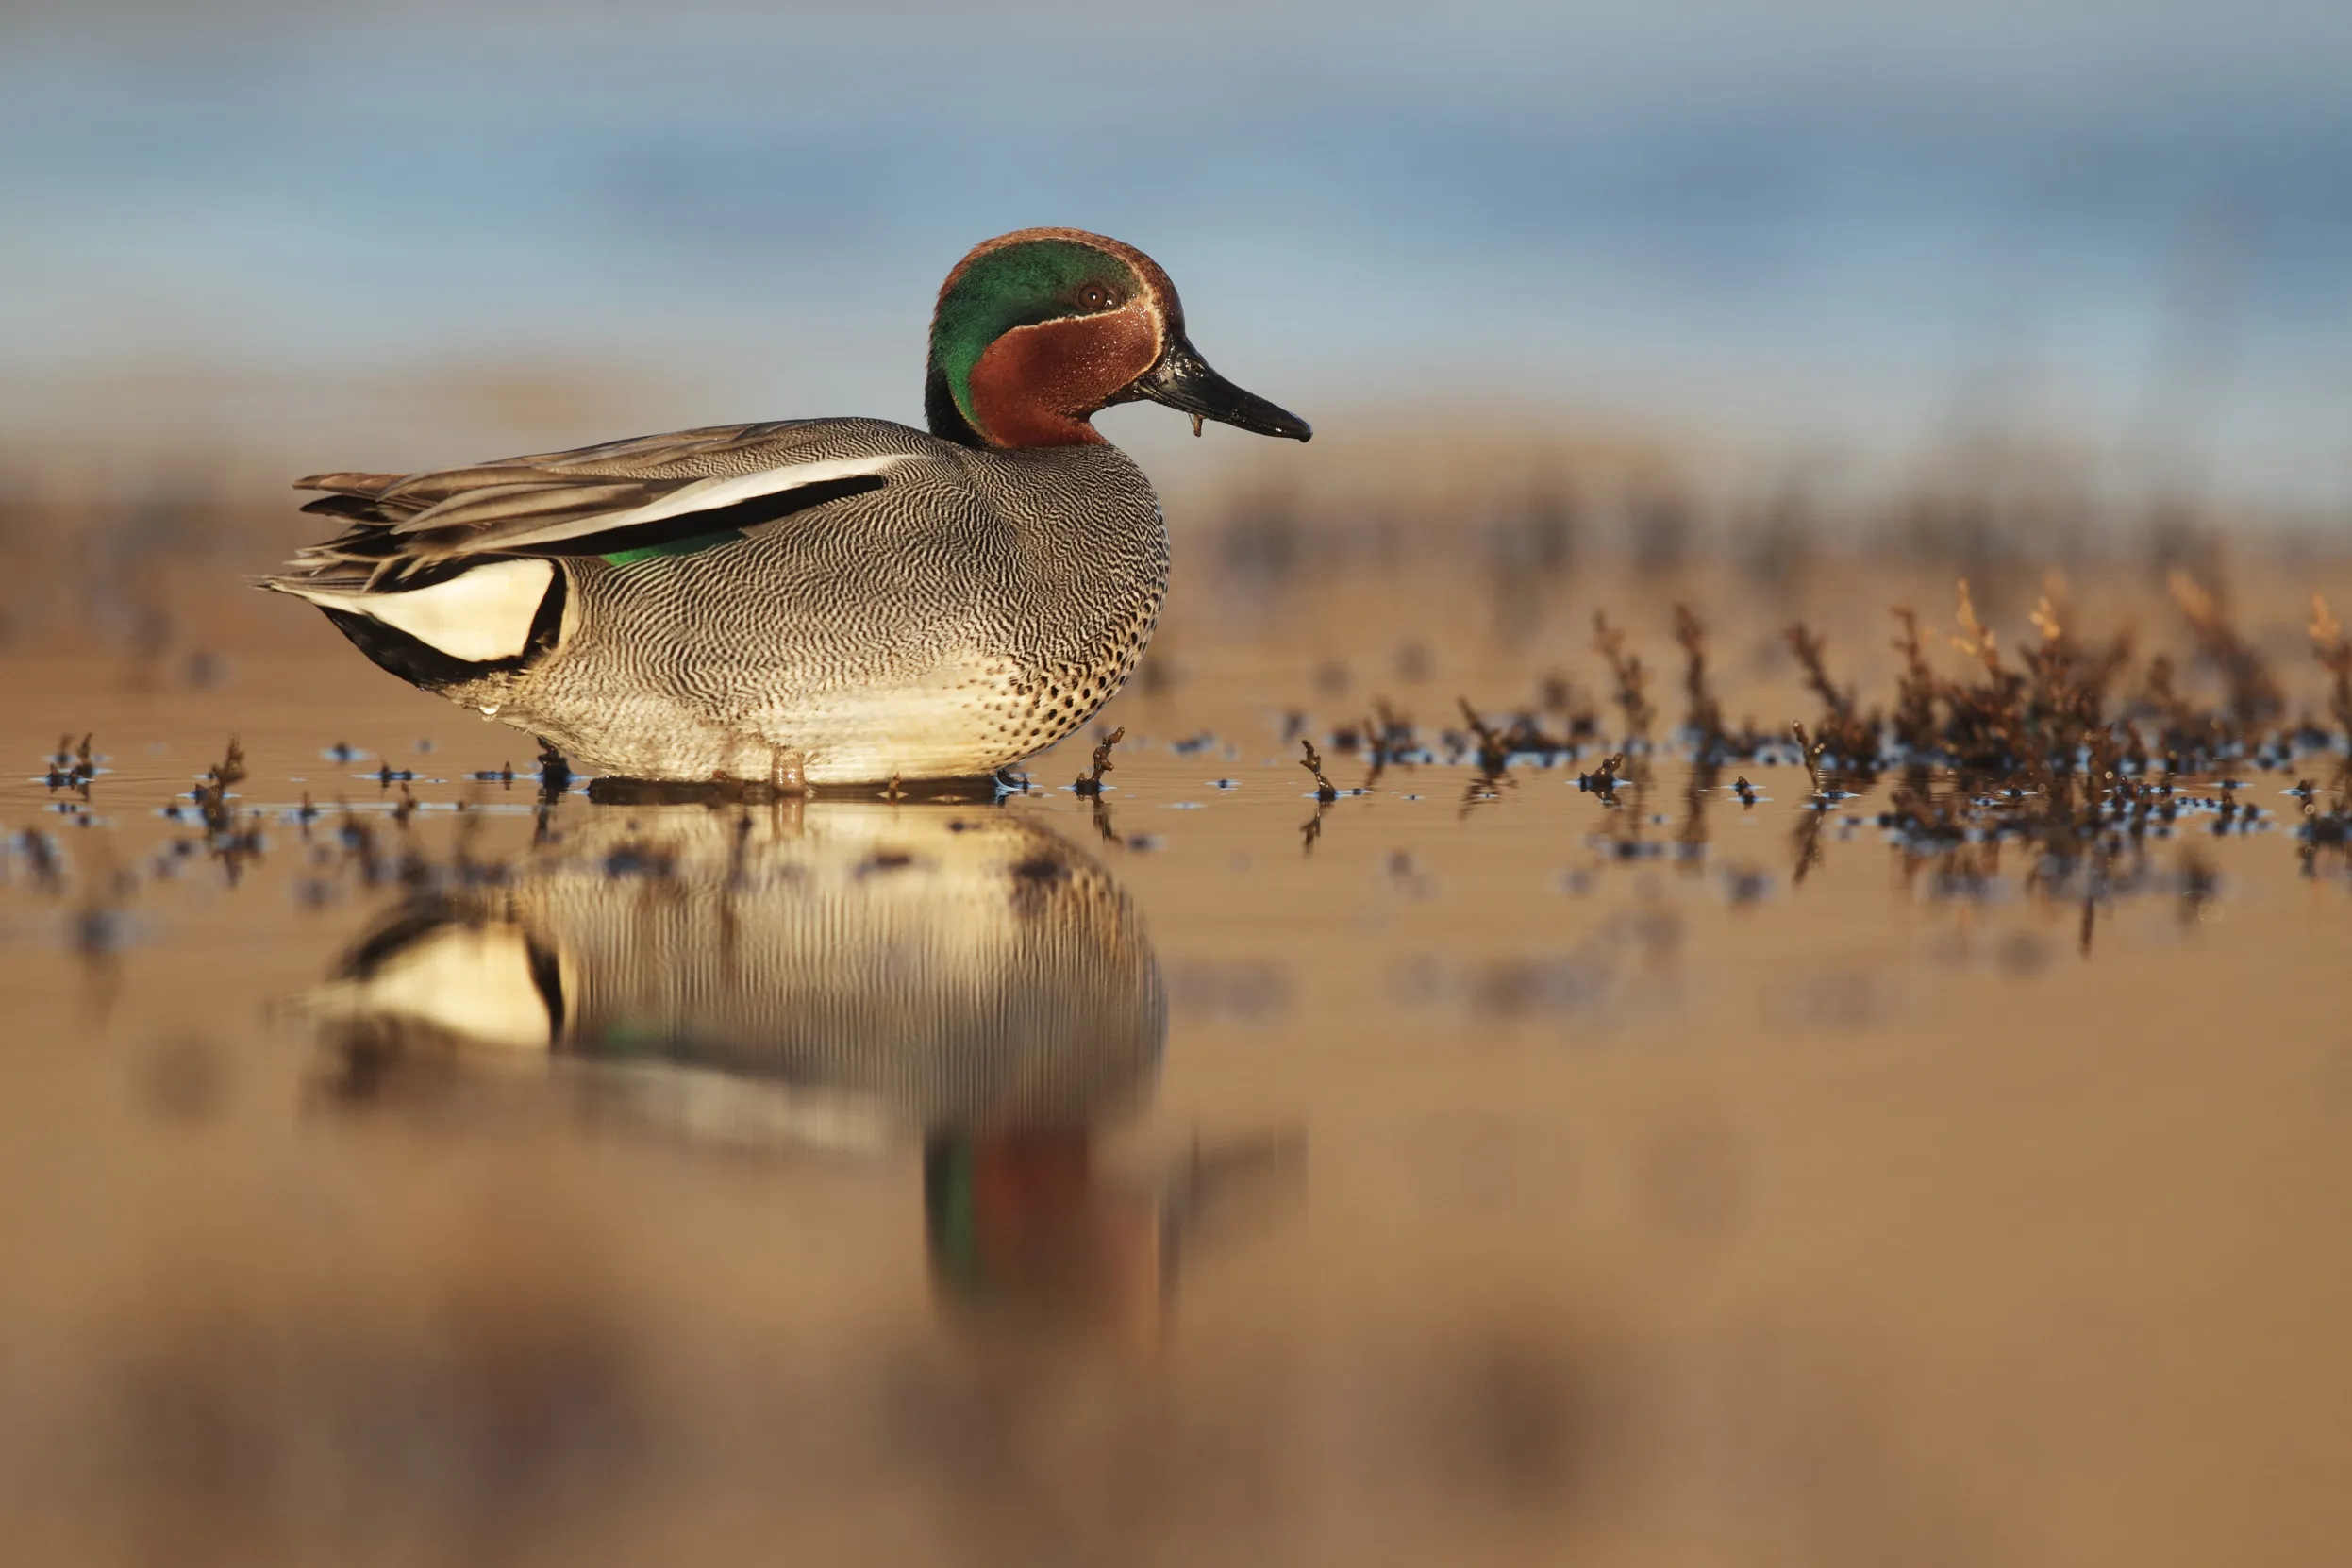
point(1037, 331)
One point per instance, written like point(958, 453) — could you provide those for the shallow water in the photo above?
point(1470, 1167)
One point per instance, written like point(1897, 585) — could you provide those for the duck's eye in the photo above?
point(1093, 296)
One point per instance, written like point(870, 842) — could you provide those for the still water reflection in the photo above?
point(840, 977)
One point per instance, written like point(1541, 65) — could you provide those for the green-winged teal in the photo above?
point(829, 601)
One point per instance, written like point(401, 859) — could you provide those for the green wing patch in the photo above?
point(691, 545)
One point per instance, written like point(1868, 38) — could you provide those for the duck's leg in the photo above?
point(787, 773)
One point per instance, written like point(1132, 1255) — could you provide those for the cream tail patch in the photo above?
point(479, 615)
point(472, 981)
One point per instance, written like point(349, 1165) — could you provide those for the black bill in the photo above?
point(1183, 380)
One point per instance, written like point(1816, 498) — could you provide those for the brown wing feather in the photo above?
point(403, 520)
point(350, 484)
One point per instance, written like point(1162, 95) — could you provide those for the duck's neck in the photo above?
point(1037, 385)
point(940, 414)
point(1016, 421)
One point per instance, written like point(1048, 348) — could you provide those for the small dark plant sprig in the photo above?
point(1494, 745)
point(1526, 736)
point(1812, 751)
point(2183, 729)
point(1704, 714)
point(2051, 661)
point(1977, 640)
point(1809, 649)
point(1916, 689)
point(1603, 780)
point(1089, 783)
point(212, 794)
point(2333, 650)
point(1987, 727)
point(1561, 698)
point(232, 847)
point(1387, 735)
point(2060, 710)
point(1627, 671)
point(1324, 790)
point(73, 767)
point(1844, 732)
point(2254, 696)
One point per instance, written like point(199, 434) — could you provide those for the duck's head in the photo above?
point(1036, 331)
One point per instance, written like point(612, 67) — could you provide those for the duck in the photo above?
point(810, 603)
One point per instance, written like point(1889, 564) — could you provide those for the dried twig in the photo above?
point(1810, 750)
point(1324, 789)
point(1091, 782)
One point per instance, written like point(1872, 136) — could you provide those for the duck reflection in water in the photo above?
point(845, 978)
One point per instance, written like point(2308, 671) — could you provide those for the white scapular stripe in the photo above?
point(707, 1105)
point(705, 495)
point(473, 981)
point(482, 614)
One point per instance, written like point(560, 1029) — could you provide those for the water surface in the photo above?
point(1472, 1166)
